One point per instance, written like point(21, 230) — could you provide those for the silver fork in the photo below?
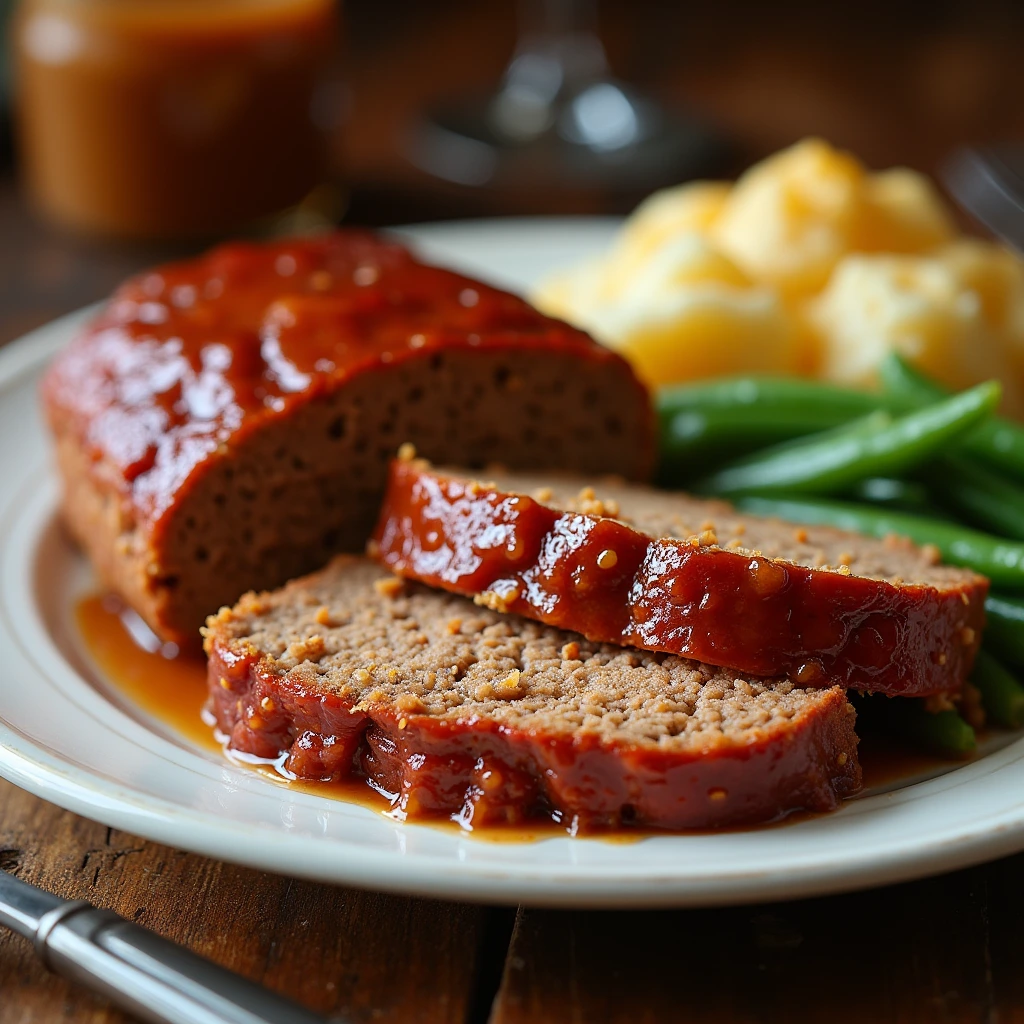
point(988, 182)
point(149, 976)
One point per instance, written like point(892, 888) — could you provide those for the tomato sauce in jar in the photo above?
point(173, 118)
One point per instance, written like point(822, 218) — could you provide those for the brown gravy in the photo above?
point(172, 688)
point(169, 687)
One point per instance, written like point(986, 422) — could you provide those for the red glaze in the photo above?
point(713, 605)
point(480, 773)
point(188, 359)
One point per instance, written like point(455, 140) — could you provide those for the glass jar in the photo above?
point(173, 118)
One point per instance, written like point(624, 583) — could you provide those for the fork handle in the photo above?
point(151, 977)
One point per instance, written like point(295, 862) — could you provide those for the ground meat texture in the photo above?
point(457, 710)
point(626, 564)
point(225, 423)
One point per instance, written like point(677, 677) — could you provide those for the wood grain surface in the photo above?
point(918, 952)
point(944, 950)
point(355, 955)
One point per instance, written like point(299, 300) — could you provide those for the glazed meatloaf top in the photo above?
point(184, 361)
point(225, 424)
point(456, 709)
point(628, 564)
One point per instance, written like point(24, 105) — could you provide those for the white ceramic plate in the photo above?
point(66, 737)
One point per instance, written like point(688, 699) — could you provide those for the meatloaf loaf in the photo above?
point(225, 423)
point(626, 564)
point(453, 709)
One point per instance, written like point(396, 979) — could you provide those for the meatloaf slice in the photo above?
point(626, 564)
point(453, 709)
point(225, 423)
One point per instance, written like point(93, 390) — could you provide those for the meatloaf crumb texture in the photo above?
point(623, 563)
point(225, 423)
point(453, 709)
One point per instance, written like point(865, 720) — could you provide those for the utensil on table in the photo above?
point(147, 975)
point(988, 182)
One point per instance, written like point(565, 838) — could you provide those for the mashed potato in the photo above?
point(919, 306)
point(809, 263)
point(663, 219)
point(685, 311)
point(900, 211)
point(789, 220)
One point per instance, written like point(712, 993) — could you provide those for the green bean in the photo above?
point(776, 394)
point(694, 439)
point(1004, 627)
point(899, 377)
point(1002, 561)
point(1001, 695)
point(978, 494)
point(827, 463)
point(707, 422)
point(942, 732)
point(906, 495)
point(751, 412)
point(998, 441)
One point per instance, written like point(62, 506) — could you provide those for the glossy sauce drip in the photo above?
point(172, 688)
point(154, 678)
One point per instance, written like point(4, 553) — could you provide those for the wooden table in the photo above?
point(945, 950)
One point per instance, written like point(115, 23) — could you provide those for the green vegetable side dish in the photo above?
point(701, 423)
point(1004, 627)
point(1001, 695)
point(998, 441)
point(830, 403)
point(978, 494)
point(694, 439)
point(892, 492)
point(836, 461)
point(898, 377)
point(942, 732)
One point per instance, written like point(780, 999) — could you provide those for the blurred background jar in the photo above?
point(158, 119)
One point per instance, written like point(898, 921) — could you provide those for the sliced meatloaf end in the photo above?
point(225, 423)
point(626, 564)
point(457, 710)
